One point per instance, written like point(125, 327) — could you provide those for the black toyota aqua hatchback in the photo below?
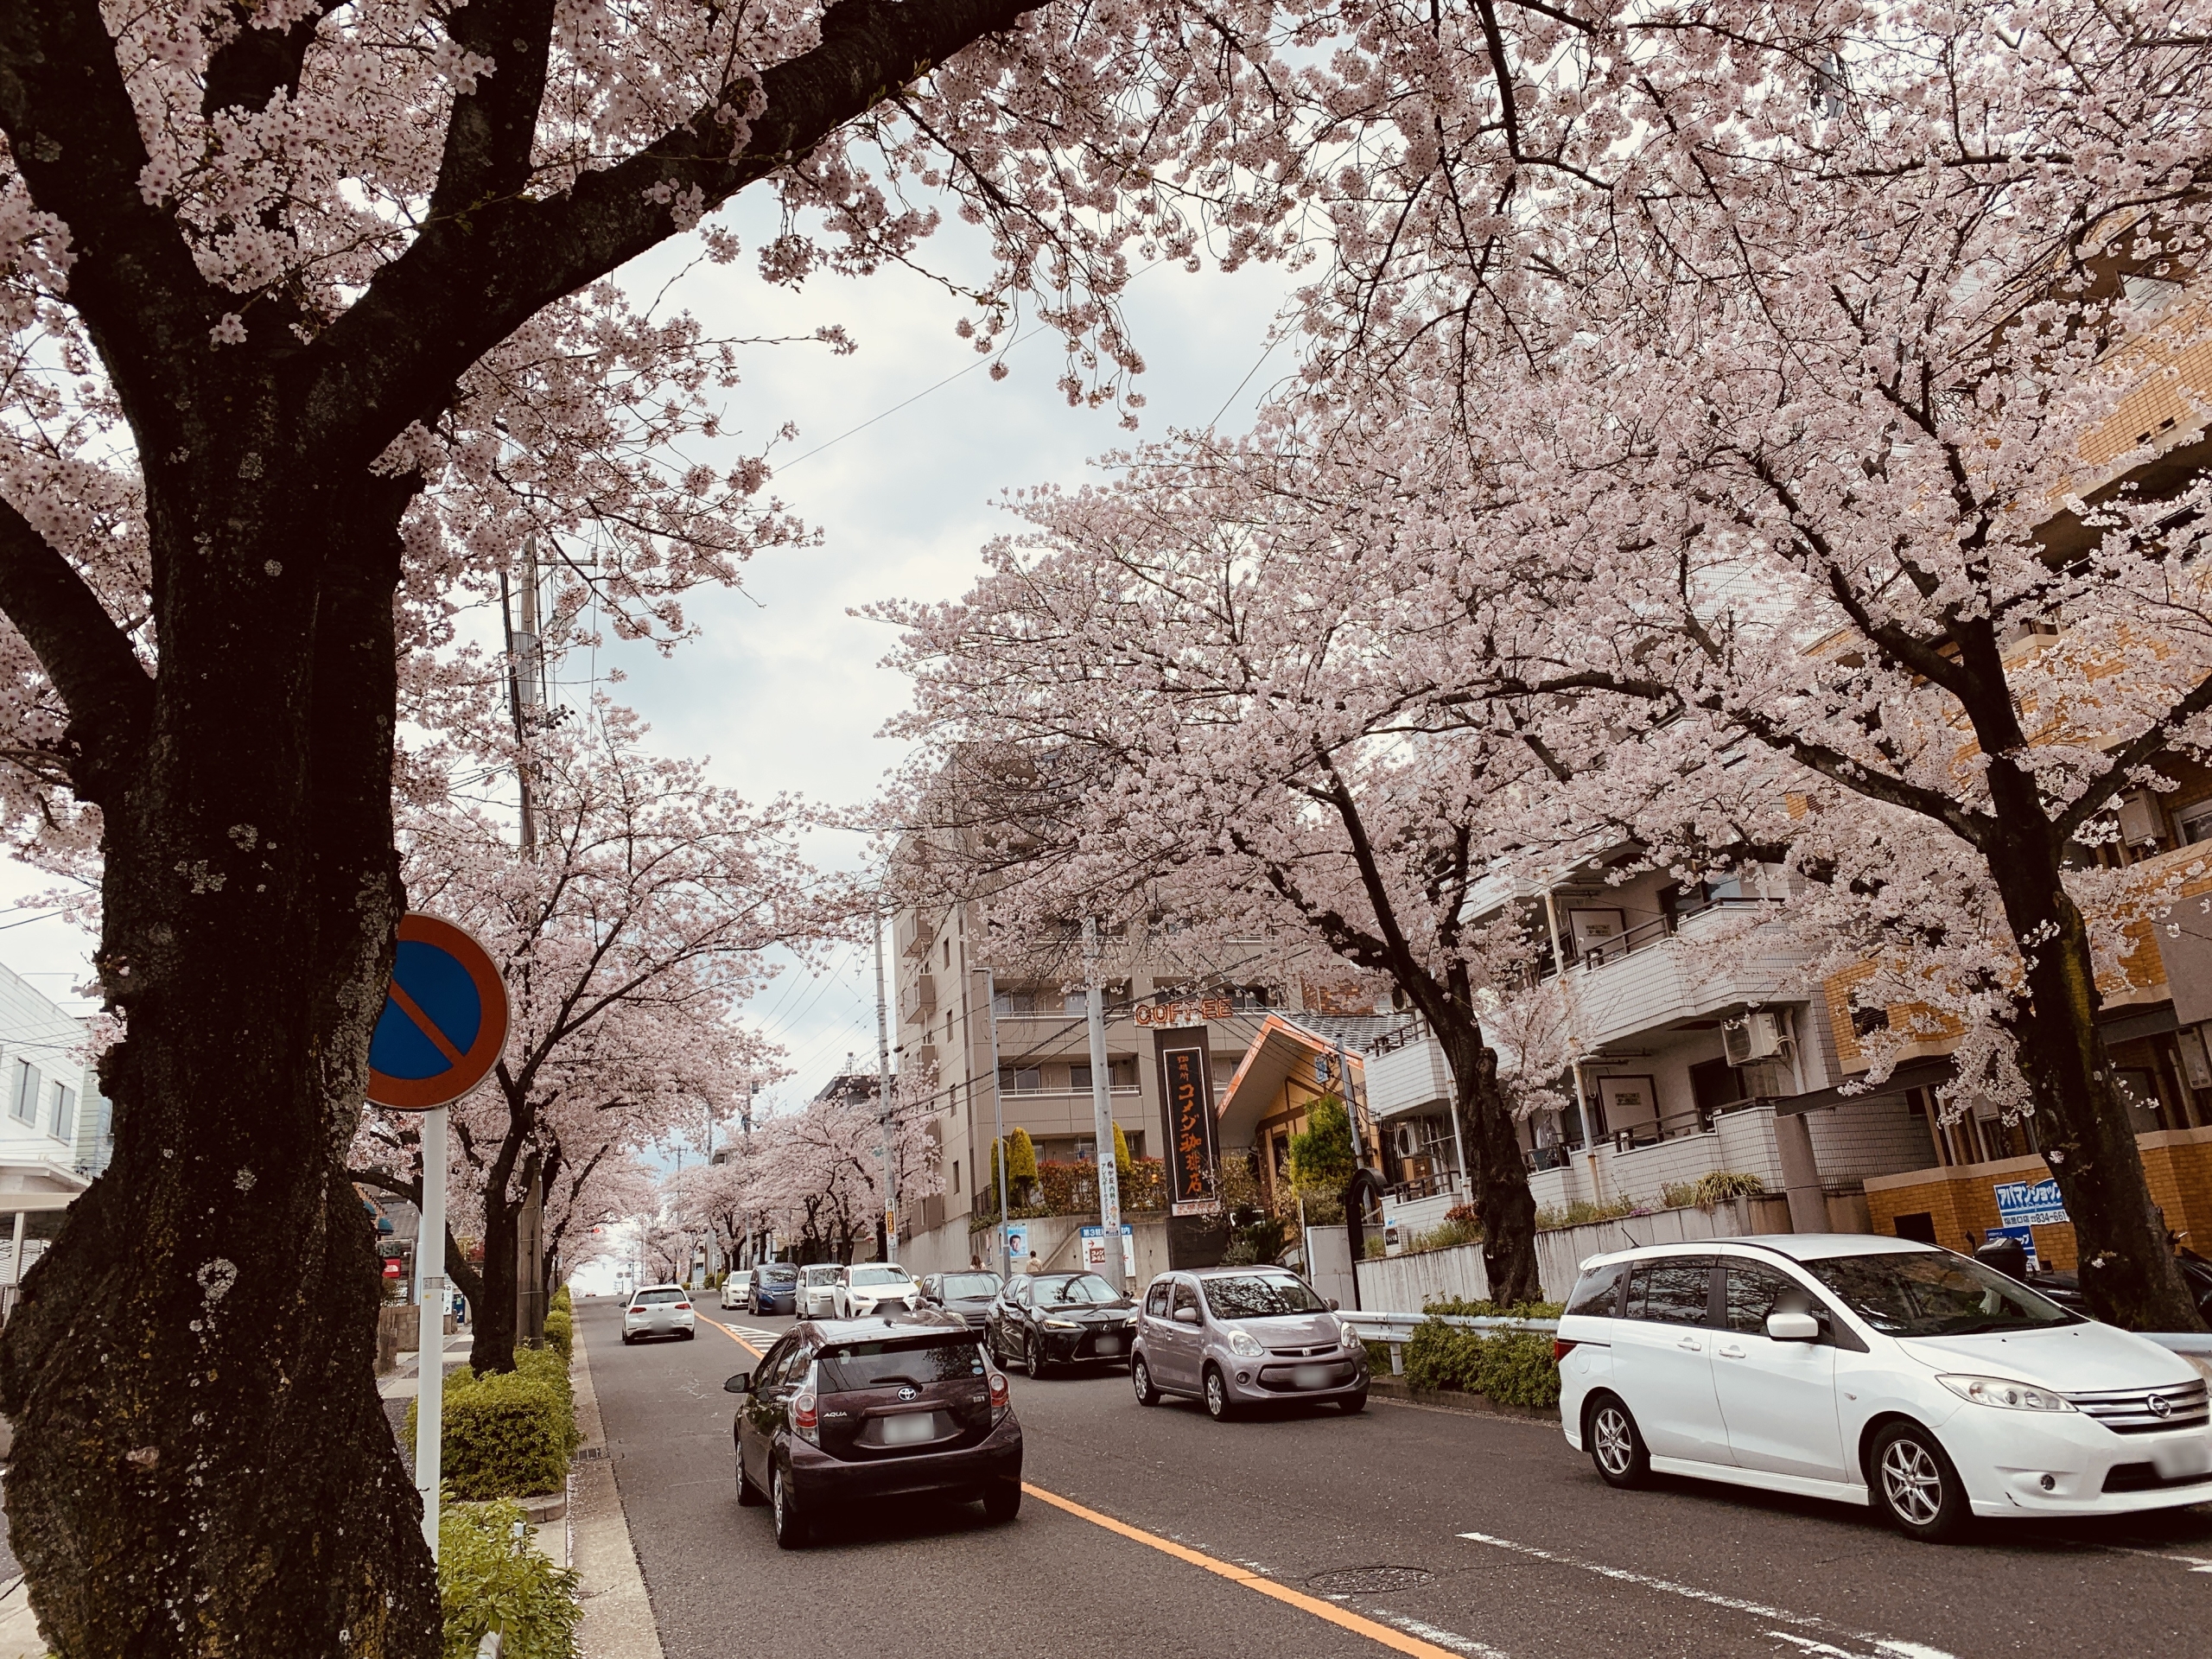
point(843, 1412)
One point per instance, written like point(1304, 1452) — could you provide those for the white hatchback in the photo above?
point(1873, 1370)
point(737, 1288)
point(658, 1310)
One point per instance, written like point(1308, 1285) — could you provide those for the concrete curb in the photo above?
point(1394, 1390)
point(19, 1636)
point(618, 1614)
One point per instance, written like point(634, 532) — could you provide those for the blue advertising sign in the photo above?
point(2029, 1204)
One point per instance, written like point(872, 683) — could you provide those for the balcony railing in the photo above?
point(1661, 928)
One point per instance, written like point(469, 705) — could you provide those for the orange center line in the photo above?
point(734, 1337)
point(407, 1006)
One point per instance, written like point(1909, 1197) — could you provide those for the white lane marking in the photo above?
point(2196, 1563)
point(1451, 1639)
point(1882, 1644)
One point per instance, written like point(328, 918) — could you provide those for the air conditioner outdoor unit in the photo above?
point(1758, 1036)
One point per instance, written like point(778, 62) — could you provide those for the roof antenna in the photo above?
point(1632, 1244)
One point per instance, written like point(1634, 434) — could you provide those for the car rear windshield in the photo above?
point(878, 1277)
point(644, 1297)
point(778, 1276)
point(1061, 1289)
point(822, 1275)
point(974, 1287)
point(849, 1367)
point(1259, 1296)
point(1934, 1294)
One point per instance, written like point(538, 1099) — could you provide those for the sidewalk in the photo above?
point(618, 1617)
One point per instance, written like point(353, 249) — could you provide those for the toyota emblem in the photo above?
point(2160, 1405)
point(908, 1394)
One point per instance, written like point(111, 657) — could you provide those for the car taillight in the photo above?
point(805, 1418)
point(683, 1307)
point(1561, 1349)
point(999, 1396)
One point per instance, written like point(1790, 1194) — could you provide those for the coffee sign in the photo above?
point(1167, 1016)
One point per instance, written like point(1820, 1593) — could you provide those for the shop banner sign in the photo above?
point(1187, 1108)
point(2029, 1204)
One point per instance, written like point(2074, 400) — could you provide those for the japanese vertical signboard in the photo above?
point(1187, 1108)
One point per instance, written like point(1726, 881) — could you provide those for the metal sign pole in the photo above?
point(430, 1329)
point(998, 1117)
point(1102, 1114)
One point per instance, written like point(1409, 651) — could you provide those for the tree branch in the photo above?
point(256, 64)
point(88, 657)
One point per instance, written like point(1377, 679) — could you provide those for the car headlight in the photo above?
point(1241, 1343)
point(1063, 1324)
point(1346, 1335)
point(1130, 1318)
point(2003, 1392)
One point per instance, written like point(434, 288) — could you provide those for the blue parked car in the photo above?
point(775, 1289)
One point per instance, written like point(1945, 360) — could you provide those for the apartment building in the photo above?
point(48, 1091)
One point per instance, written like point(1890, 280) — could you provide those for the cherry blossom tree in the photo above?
point(626, 936)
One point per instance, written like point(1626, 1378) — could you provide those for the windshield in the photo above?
point(971, 1286)
point(1934, 1294)
point(878, 1277)
point(1062, 1289)
point(851, 1366)
point(1258, 1295)
point(644, 1297)
point(823, 1276)
point(778, 1276)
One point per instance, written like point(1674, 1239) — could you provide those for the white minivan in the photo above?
point(1871, 1370)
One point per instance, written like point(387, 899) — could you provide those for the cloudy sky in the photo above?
point(783, 689)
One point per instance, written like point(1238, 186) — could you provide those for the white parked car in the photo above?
point(1873, 1370)
point(875, 1288)
point(818, 1291)
point(737, 1288)
point(658, 1310)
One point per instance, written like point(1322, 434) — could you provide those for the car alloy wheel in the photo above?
point(1919, 1489)
point(1140, 1378)
point(1217, 1406)
point(1616, 1446)
point(1033, 1358)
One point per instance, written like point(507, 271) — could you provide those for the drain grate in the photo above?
point(590, 1452)
point(1368, 1580)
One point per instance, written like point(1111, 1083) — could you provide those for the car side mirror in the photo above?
point(1186, 1316)
point(741, 1384)
point(1333, 1304)
point(1793, 1327)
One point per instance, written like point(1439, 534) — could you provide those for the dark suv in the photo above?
point(843, 1412)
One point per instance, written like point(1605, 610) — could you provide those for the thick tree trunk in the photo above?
point(1499, 1175)
point(2082, 1126)
point(202, 1465)
point(494, 1314)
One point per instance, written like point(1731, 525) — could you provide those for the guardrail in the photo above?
point(1397, 1329)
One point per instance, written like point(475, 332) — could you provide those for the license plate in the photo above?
point(905, 1431)
point(1109, 1344)
point(1310, 1377)
point(2190, 1457)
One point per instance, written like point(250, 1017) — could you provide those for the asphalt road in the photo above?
point(1432, 1532)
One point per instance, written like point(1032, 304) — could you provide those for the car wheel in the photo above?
point(627, 1339)
point(790, 1525)
point(1352, 1405)
point(688, 1335)
point(1033, 1358)
point(748, 1495)
point(1216, 1387)
point(1915, 1485)
point(1140, 1379)
point(1001, 1501)
point(1616, 1443)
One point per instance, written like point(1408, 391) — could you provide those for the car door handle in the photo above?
point(1692, 1344)
point(1730, 1353)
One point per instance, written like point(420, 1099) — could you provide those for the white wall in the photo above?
point(34, 1030)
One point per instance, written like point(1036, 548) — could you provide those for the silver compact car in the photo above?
point(1238, 1337)
point(818, 1291)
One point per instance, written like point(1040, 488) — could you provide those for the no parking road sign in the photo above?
point(444, 1019)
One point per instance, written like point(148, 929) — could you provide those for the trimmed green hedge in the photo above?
point(490, 1577)
point(560, 1332)
point(507, 1434)
point(561, 1303)
point(1513, 1368)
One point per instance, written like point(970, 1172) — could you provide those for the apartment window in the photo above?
point(1020, 1079)
point(956, 1175)
point(1009, 1003)
point(22, 1100)
point(1075, 1002)
point(1121, 1074)
point(948, 953)
point(1079, 1075)
point(2194, 824)
point(65, 1113)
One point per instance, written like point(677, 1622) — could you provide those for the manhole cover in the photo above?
point(1368, 1580)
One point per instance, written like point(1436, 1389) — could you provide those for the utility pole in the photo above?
point(998, 1115)
point(1101, 1111)
point(525, 676)
point(883, 1102)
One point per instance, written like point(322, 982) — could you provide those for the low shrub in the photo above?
point(1460, 1226)
point(507, 1434)
point(560, 1332)
point(562, 1302)
point(1510, 1368)
point(1466, 1308)
point(1581, 1213)
point(490, 1577)
point(1707, 1191)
